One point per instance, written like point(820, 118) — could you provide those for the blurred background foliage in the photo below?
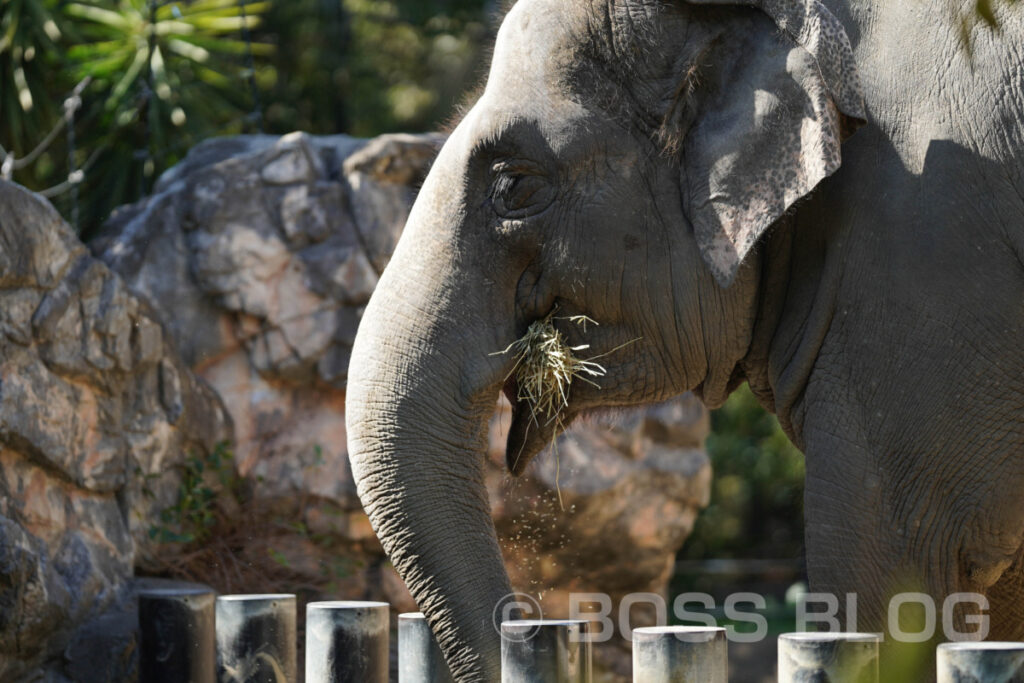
point(756, 508)
point(164, 75)
point(366, 67)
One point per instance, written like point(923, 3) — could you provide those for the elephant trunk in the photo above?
point(422, 386)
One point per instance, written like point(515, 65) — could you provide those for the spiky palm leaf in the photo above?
point(165, 76)
point(29, 31)
point(176, 58)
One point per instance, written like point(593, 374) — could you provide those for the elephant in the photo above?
point(821, 198)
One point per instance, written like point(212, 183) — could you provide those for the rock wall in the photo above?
point(96, 412)
point(260, 253)
point(246, 272)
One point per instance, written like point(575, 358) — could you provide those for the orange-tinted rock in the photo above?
point(259, 254)
point(97, 411)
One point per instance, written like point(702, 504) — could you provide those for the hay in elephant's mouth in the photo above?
point(545, 367)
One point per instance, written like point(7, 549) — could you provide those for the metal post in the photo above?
point(545, 651)
point(670, 654)
point(991, 662)
point(177, 642)
point(419, 658)
point(256, 638)
point(347, 641)
point(833, 657)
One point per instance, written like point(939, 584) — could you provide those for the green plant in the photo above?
point(165, 76)
point(219, 533)
point(29, 34)
point(30, 94)
point(756, 508)
point(175, 50)
point(193, 514)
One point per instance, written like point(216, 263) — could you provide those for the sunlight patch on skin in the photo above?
point(526, 57)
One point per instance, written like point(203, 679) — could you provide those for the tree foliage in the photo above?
point(164, 75)
point(29, 37)
point(367, 67)
point(756, 508)
point(159, 77)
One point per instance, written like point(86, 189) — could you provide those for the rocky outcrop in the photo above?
point(249, 268)
point(97, 413)
point(260, 253)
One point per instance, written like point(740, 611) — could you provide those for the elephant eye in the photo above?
point(518, 192)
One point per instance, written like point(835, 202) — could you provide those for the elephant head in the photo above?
point(621, 163)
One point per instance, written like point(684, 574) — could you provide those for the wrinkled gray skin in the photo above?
point(624, 162)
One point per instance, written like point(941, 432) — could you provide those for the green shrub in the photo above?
point(756, 508)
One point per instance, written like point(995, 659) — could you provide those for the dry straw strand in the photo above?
point(545, 366)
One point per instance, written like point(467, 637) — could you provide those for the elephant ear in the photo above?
point(771, 109)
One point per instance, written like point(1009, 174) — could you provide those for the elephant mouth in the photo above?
point(546, 360)
point(528, 434)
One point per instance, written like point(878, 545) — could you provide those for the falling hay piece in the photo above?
point(545, 366)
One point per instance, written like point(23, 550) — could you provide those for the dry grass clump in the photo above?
point(240, 555)
point(545, 366)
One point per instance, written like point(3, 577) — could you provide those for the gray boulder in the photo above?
point(260, 253)
point(97, 411)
